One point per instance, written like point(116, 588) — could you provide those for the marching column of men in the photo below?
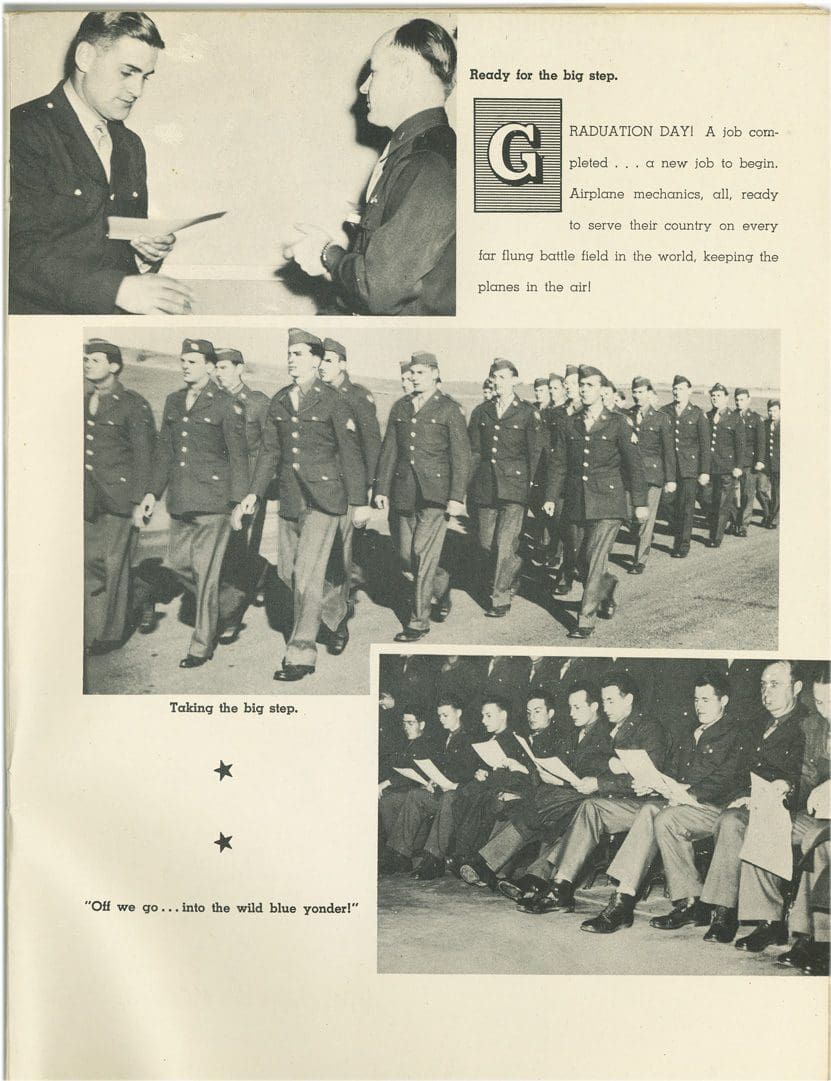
point(522, 800)
point(561, 475)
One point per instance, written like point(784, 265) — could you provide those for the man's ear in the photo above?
point(84, 56)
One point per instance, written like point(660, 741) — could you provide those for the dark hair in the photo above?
point(450, 700)
point(623, 681)
point(711, 677)
point(413, 711)
point(499, 702)
point(433, 43)
point(589, 689)
point(793, 667)
point(542, 693)
point(104, 28)
point(822, 674)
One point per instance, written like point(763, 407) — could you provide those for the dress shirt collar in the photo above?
point(88, 118)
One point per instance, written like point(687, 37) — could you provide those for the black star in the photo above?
point(223, 842)
point(224, 771)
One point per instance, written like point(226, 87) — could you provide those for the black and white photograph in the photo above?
point(672, 809)
point(437, 486)
point(231, 163)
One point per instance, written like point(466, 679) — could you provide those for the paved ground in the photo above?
point(448, 927)
point(721, 600)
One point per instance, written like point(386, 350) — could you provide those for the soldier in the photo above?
point(727, 449)
point(769, 476)
point(692, 460)
point(752, 461)
point(542, 393)
point(120, 435)
point(406, 380)
point(571, 381)
point(557, 389)
point(422, 476)
point(654, 434)
point(244, 568)
point(394, 788)
point(310, 443)
point(596, 469)
point(202, 460)
point(506, 444)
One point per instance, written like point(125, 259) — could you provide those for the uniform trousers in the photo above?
point(500, 531)
point(597, 815)
point(419, 538)
point(440, 837)
point(720, 496)
point(684, 511)
point(746, 485)
point(389, 808)
point(110, 542)
point(243, 566)
point(304, 548)
point(721, 887)
point(545, 813)
point(813, 892)
point(760, 891)
point(593, 541)
point(195, 552)
point(670, 831)
point(643, 544)
point(768, 492)
point(412, 826)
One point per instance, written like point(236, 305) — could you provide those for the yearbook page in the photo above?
point(339, 339)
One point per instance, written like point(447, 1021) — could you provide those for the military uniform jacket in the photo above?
point(754, 438)
point(691, 436)
point(314, 453)
point(402, 260)
point(201, 455)
point(506, 451)
point(593, 470)
point(457, 760)
point(118, 452)
point(60, 260)
point(780, 756)
point(424, 455)
point(712, 767)
point(635, 733)
point(815, 762)
point(507, 780)
point(366, 417)
point(655, 442)
point(508, 679)
point(771, 446)
point(420, 747)
point(727, 442)
point(589, 756)
point(255, 407)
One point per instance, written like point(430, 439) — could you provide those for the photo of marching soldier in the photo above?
point(681, 805)
point(293, 495)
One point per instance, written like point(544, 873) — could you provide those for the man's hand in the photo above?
point(381, 502)
point(153, 294)
point(138, 516)
point(549, 507)
point(382, 787)
point(780, 787)
point(449, 787)
point(703, 479)
point(455, 508)
point(249, 504)
point(759, 466)
point(742, 801)
point(819, 801)
point(737, 473)
point(642, 513)
point(642, 789)
point(616, 766)
point(236, 519)
point(670, 487)
point(153, 249)
point(308, 248)
point(144, 510)
point(481, 775)
point(587, 786)
point(360, 516)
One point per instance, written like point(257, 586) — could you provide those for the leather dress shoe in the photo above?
point(193, 662)
point(442, 610)
point(99, 648)
point(619, 912)
point(685, 912)
point(798, 954)
point(476, 872)
point(581, 632)
point(291, 673)
point(767, 933)
point(680, 553)
point(391, 862)
point(723, 927)
point(147, 623)
point(816, 963)
point(230, 634)
point(526, 888)
point(638, 568)
point(339, 638)
point(608, 607)
point(410, 634)
point(563, 587)
point(560, 898)
point(497, 611)
point(430, 867)
point(713, 543)
point(741, 533)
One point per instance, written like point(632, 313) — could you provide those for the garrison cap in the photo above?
point(302, 337)
point(718, 386)
point(199, 345)
point(331, 346)
point(555, 377)
point(572, 369)
point(405, 365)
point(681, 379)
point(540, 381)
point(429, 360)
point(641, 381)
point(741, 390)
point(234, 355)
point(500, 364)
point(774, 401)
point(585, 371)
point(487, 383)
point(98, 345)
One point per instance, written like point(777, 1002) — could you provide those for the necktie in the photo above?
point(294, 396)
point(580, 736)
point(103, 146)
point(376, 173)
point(697, 733)
point(190, 399)
point(94, 403)
point(418, 401)
point(770, 729)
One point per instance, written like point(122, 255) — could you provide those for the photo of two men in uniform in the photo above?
point(75, 164)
